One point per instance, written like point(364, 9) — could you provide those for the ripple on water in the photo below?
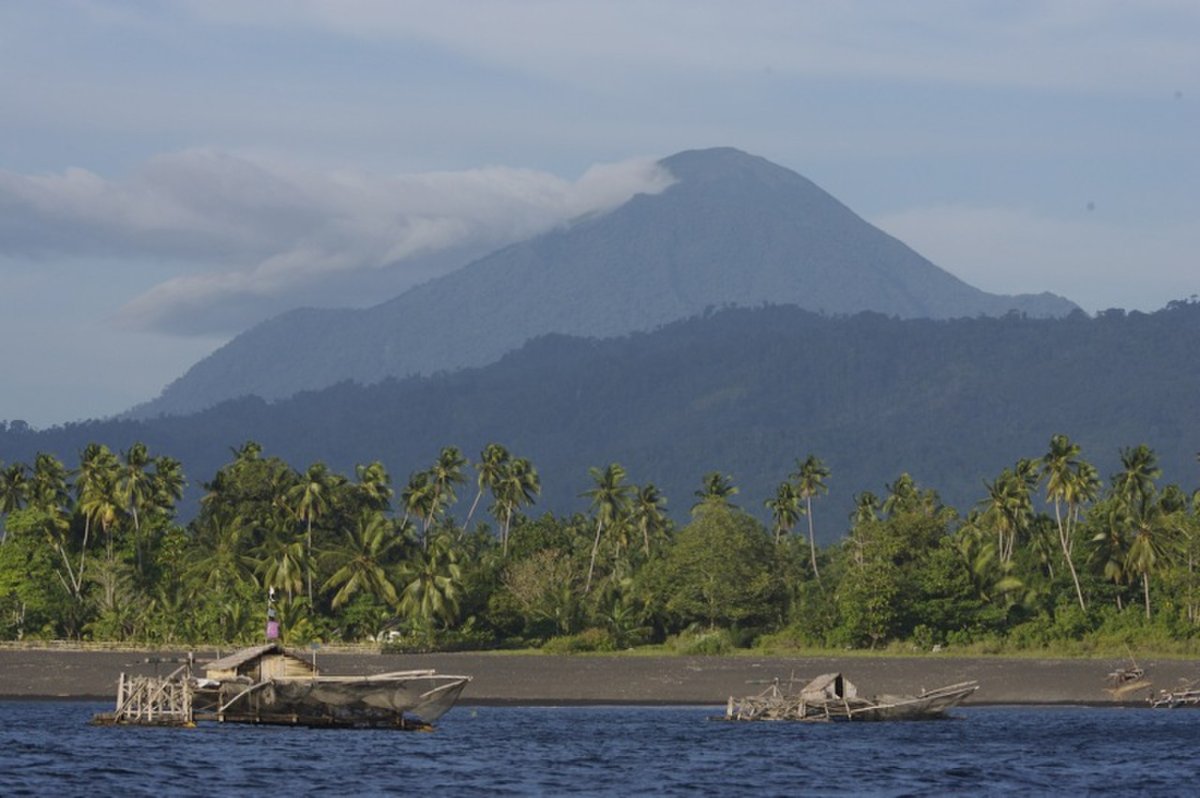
point(47, 748)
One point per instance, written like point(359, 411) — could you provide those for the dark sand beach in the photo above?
point(543, 679)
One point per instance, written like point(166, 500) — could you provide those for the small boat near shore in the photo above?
point(1186, 695)
point(268, 684)
point(831, 697)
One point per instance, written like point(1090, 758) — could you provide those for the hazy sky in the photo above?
point(174, 172)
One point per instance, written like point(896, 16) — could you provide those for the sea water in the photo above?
point(48, 748)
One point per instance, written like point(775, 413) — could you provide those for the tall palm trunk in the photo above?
point(308, 563)
point(471, 512)
point(1064, 538)
point(592, 565)
point(812, 539)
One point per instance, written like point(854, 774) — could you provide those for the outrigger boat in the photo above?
point(832, 696)
point(269, 685)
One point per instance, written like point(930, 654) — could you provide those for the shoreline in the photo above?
point(501, 679)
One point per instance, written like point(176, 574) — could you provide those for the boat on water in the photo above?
point(267, 684)
point(1187, 694)
point(831, 696)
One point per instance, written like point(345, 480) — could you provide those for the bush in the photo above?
point(709, 643)
point(424, 642)
point(588, 641)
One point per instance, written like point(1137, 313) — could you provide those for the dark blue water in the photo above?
point(47, 748)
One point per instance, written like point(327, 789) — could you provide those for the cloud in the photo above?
point(1102, 45)
point(254, 238)
point(1088, 259)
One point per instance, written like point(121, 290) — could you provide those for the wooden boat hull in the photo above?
point(387, 700)
point(844, 704)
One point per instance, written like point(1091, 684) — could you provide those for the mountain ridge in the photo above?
point(733, 230)
point(741, 391)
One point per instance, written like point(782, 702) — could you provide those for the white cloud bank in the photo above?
point(254, 238)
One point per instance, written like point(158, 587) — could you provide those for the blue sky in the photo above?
point(173, 172)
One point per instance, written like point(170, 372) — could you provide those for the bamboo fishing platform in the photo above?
point(270, 685)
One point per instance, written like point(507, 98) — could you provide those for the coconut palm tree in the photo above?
point(493, 461)
point(98, 498)
point(1134, 489)
point(649, 513)
point(135, 486)
point(169, 482)
point(716, 489)
point(785, 508)
point(516, 487)
point(14, 491)
point(48, 484)
point(1112, 522)
point(810, 479)
point(220, 560)
point(444, 475)
point(374, 485)
point(1066, 483)
point(417, 498)
point(1155, 535)
point(866, 508)
point(1134, 483)
point(359, 562)
point(610, 500)
point(309, 500)
point(281, 563)
point(432, 580)
point(1008, 509)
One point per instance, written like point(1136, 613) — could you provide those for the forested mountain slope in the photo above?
point(733, 230)
point(744, 392)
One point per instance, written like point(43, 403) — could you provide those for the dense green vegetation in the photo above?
point(740, 391)
point(459, 557)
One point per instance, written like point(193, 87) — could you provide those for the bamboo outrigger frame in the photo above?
point(831, 697)
point(269, 685)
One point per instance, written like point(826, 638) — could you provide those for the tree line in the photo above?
point(458, 556)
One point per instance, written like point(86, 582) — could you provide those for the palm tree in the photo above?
point(610, 500)
point(220, 560)
point(309, 500)
point(1110, 543)
point(374, 485)
point(785, 508)
point(1134, 489)
point(515, 488)
point(491, 466)
point(1066, 483)
point(433, 584)
point(281, 563)
point(810, 479)
point(135, 487)
point(1008, 509)
point(169, 483)
point(648, 513)
point(48, 484)
point(1134, 484)
point(1150, 548)
point(359, 564)
point(866, 509)
point(444, 475)
point(97, 496)
point(716, 489)
point(14, 491)
point(417, 498)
